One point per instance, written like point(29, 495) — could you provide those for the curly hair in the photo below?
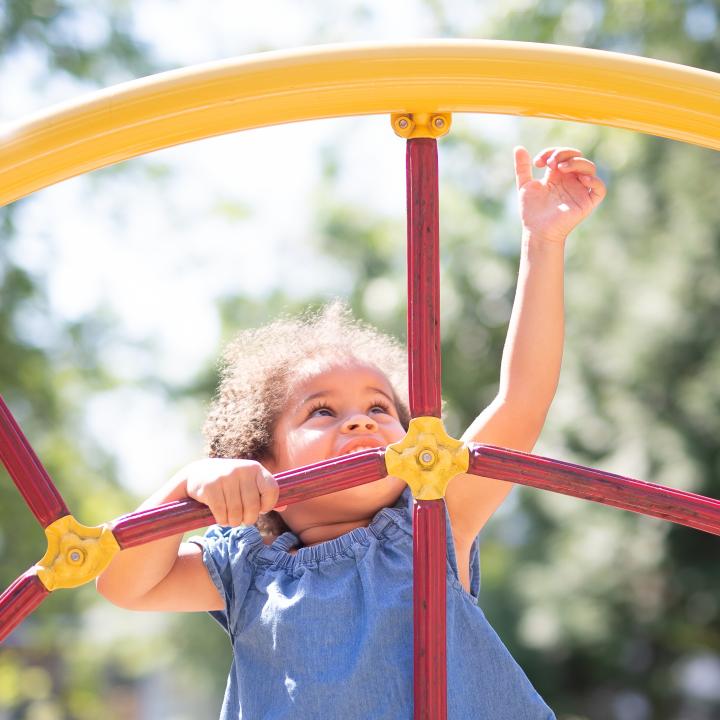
point(259, 366)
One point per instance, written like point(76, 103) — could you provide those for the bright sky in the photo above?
point(157, 254)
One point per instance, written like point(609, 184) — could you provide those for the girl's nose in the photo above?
point(359, 423)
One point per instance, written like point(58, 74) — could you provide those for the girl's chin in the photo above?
point(351, 504)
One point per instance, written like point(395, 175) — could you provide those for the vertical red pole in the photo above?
point(429, 539)
point(26, 470)
point(429, 610)
point(423, 277)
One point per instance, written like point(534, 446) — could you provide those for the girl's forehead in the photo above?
point(316, 374)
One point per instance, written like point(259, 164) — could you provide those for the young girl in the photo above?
point(317, 596)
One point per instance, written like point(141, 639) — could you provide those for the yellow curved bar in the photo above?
point(163, 110)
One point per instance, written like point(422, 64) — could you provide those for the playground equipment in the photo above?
point(418, 85)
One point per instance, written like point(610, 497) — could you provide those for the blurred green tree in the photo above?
point(48, 368)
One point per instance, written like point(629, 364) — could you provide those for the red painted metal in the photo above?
point(27, 472)
point(429, 610)
point(19, 600)
point(684, 508)
point(144, 526)
point(424, 365)
point(295, 485)
point(423, 259)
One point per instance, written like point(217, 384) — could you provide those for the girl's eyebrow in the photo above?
point(314, 396)
point(382, 392)
point(325, 393)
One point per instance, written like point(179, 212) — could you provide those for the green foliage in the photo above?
point(48, 367)
point(56, 30)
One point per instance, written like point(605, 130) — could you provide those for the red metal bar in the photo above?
point(429, 610)
point(295, 485)
point(19, 600)
point(423, 277)
point(27, 472)
point(424, 365)
point(684, 508)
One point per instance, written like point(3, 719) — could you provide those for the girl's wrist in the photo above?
point(532, 237)
point(174, 489)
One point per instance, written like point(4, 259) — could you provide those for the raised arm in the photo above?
point(549, 209)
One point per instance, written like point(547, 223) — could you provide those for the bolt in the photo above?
point(427, 458)
point(439, 122)
point(76, 556)
point(402, 123)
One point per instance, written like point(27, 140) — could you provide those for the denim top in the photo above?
point(327, 633)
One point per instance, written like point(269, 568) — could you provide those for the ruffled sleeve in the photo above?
point(226, 553)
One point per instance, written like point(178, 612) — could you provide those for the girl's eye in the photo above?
point(320, 411)
point(380, 407)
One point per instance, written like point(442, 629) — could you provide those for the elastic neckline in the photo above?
point(278, 553)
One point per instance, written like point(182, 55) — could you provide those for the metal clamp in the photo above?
point(75, 554)
point(421, 125)
point(427, 458)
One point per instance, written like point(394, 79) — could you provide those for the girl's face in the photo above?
point(335, 409)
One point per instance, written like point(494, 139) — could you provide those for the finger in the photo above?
point(214, 498)
point(595, 185)
point(250, 497)
point(233, 499)
point(269, 491)
point(579, 165)
point(551, 155)
point(563, 155)
point(523, 166)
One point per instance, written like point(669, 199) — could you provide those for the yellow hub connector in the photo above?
point(75, 554)
point(420, 125)
point(427, 458)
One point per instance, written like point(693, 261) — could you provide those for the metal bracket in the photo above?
point(75, 554)
point(421, 125)
point(427, 458)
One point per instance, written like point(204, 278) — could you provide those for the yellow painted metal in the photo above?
point(75, 553)
point(427, 458)
point(531, 79)
point(421, 125)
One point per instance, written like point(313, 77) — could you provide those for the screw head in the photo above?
point(76, 556)
point(402, 123)
point(427, 458)
point(439, 122)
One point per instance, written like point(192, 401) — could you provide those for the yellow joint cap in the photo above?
point(427, 458)
point(75, 554)
point(421, 125)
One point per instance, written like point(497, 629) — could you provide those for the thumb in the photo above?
point(268, 489)
point(523, 166)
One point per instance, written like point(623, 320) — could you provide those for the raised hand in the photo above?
point(567, 193)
